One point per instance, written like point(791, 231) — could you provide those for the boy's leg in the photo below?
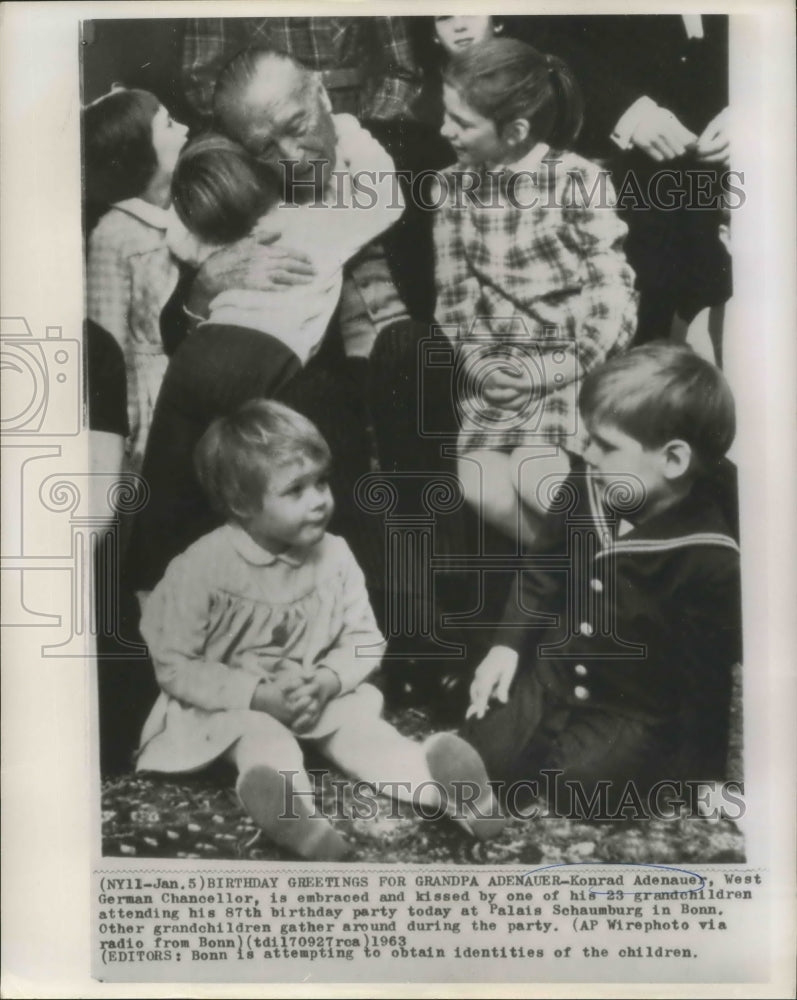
point(608, 764)
point(585, 750)
point(503, 734)
point(276, 791)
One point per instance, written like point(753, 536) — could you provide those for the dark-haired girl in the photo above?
point(532, 281)
point(131, 148)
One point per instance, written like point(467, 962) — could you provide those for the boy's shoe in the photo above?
point(263, 794)
point(458, 768)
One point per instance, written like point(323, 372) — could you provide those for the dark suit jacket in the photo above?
point(620, 58)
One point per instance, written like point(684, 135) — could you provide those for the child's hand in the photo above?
point(309, 699)
point(507, 388)
point(272, 698)
point(493, 678)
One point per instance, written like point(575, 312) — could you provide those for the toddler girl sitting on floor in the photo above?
point(262, 636)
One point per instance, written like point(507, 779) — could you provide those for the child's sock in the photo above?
point(458, 768)
point(263, 794)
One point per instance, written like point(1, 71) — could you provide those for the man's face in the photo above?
point(285, 115)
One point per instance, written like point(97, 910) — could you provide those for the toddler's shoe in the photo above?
point(460, 771)
point(262, 793)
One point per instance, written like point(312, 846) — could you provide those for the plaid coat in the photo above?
point(130, 277)
point(531, 276)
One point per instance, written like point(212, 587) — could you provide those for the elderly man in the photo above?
point(280, 112)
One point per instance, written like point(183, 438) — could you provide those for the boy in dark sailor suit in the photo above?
point(613, 660)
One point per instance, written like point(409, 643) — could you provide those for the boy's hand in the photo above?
point(309, 699)
point(493, 678)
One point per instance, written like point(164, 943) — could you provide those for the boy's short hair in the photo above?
point(219, 191)
point(236, 453)
point(661, 392)
point(119, 156)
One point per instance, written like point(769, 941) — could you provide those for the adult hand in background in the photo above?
point(662, 136)
point(713, 146)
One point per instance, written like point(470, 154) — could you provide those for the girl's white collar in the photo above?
point(531, 160)
point(145, 211)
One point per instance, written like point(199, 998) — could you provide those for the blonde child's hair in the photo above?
point(237, 452)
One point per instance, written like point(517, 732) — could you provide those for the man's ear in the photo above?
point(326, 103)
point(677, 458)
point(515, 133)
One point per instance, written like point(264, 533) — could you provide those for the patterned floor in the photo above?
point(199, 817)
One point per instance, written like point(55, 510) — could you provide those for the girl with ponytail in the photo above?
point(532, 282)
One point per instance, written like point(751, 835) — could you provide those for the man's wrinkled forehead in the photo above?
point(277, 89)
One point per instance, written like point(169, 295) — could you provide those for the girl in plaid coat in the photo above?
point(532, 282)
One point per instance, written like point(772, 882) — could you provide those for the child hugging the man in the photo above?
point(641, 577)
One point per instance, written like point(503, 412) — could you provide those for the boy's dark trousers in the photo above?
point(539, 730)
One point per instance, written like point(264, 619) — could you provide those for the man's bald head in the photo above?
point(276, 108)
point(261, 70)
